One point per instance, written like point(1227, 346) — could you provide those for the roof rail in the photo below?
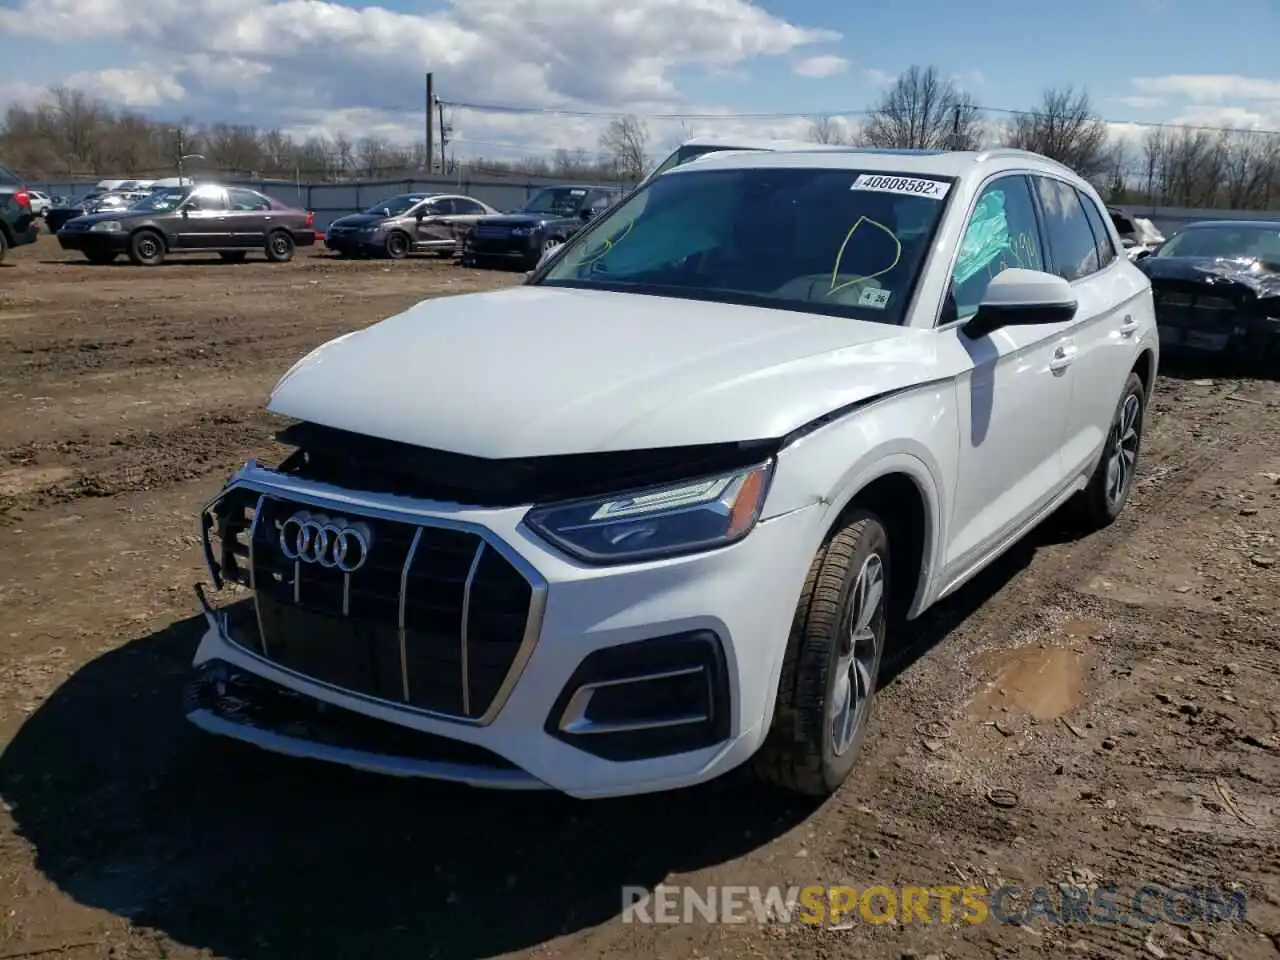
point(1015, 153)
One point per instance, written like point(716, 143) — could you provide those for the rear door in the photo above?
point(1101, 335)
point(465, 214)
point(250, 217)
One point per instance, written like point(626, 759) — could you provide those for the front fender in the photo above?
point(914, 434)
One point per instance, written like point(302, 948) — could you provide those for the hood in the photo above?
point(359, 220)
point(89, 219)
point(539, 371)
point(1255, 276)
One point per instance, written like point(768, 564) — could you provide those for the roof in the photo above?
point(753, 143)
point(944, 163)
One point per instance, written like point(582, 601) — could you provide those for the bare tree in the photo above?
point(625, 145)
point(373, 155)
point(923, 110)
point(1065, 128)
point(824, 130)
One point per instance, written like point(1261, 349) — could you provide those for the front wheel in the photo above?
point(1098, 504)
point(832, 662)
point(146, 248)
point(280, 247)
point(396, 245)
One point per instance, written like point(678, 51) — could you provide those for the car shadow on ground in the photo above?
point(224, 847)
point(1193, 366)
point(185, 260)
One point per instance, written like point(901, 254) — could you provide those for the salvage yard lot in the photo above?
point(1122, 686)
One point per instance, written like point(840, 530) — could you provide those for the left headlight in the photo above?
point(678, 518)
point(106, 226)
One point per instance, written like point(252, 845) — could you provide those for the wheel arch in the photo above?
point(1145, 368)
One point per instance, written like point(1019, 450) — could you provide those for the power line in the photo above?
point(814, 115)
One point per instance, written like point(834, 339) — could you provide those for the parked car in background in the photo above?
point(17, 219)
point(655, 514)
point(536, 230)
point(1138, 234)
point(1217, 288)
point(40, 202)
point(408, 223)
point(113, 201)
point(209, 218)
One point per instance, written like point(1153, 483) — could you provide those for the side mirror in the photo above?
point(588, 213)
point(1021, 298)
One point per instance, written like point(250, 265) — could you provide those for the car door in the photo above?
point(1012, 402)
point(249, 218)
point(433, 227)
point(465, 214)
point(1101, 338)
point(204, 222)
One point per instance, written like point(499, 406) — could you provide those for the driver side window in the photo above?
point(1002, 233)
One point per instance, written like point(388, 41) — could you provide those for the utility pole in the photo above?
point(181, 153)
point(444, 134)
point(955, 127)
point(431, 98)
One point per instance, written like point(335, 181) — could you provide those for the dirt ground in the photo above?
point(1122, 688)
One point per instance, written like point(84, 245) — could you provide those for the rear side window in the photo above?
point(1101, 235)
point(242, 199)
point(467, 207)
point(1071, 244)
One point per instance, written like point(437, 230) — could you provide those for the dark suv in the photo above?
point(552, 216)
point(17, 222)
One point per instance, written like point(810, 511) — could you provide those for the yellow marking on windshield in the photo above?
point(605, 248)
point(835, 270)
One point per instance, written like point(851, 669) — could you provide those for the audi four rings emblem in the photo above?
point(328, 541)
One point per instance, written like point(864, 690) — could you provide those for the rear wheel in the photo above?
point(279, 246)
point(233, 256)
point(1098, 504)
point(4, 245)
point(832, 662)
point(146, 248)
point(396, 245)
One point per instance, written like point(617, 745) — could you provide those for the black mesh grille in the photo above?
point(1186, 304)
point(434, 616)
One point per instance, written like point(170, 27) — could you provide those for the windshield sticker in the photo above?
point(577, 193)
point(875, 297)
point(908, 186)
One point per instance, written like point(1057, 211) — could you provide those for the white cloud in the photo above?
point(822, 66)
point(535, 52)
point(1210, 88)
point(130, 87)
point(878, 78)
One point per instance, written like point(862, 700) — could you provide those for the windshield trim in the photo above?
point(537, 277)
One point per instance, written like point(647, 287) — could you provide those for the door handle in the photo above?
point(1063, 357)
point(1129, 327)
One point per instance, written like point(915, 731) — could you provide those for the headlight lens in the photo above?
point(678, 518)
point(106, 226)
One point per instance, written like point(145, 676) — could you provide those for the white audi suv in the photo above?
point(657, 512)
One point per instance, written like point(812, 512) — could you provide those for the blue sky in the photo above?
point(325, 66)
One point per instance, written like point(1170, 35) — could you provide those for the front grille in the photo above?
point(435, 617)
point(1189, 305)
point(493, 232)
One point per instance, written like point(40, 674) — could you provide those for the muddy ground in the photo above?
point(1121, 688)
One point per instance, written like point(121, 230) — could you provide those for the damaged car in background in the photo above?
point(1216, 286)
point(1138, 235)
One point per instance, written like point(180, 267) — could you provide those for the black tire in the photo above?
point(799, 752)
point(1098, 504)
point(233, 256)
point(279, 246)
point(101, 257)
point(397, 245)
point(4, 245)
point(146, 248)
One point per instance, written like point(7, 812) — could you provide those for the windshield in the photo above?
point(561, 201)
point(162, 200)
point(1243, 240)
point(837, 242)
point(395, 206)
